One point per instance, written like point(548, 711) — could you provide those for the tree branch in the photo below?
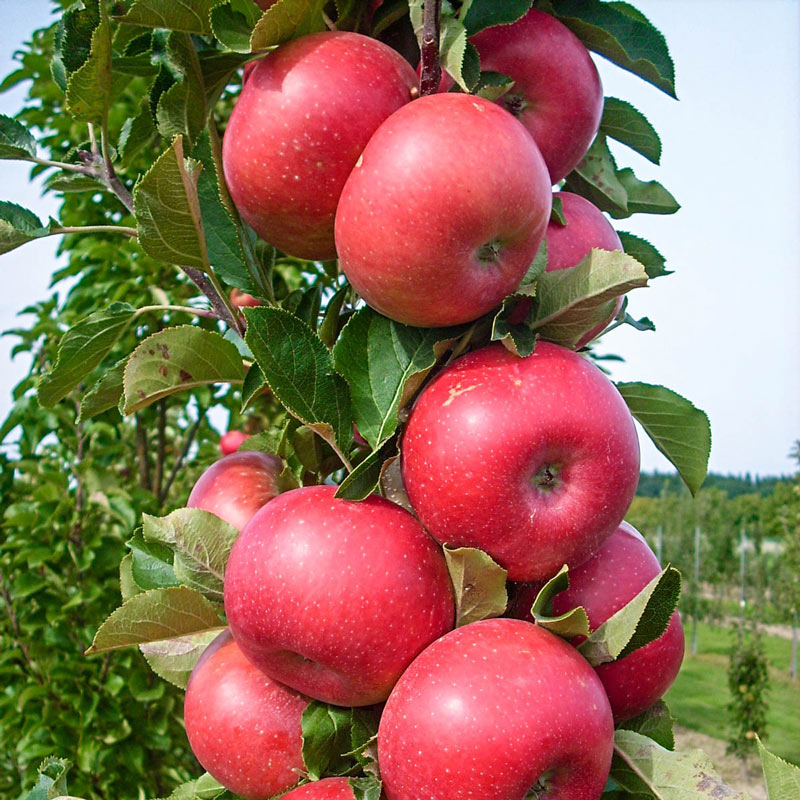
point(132, 232)
point(20, 642)
point(201, 413)
point(430, 69)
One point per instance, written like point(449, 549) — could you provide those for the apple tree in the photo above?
point(267, 213)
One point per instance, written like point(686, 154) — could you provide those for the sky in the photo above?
point(728, 319)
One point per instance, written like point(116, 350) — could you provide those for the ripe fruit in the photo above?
point(557, 93)
point(444, 212)
point(534, 460)
point(327, 789)
point(491, 711)
point(335, 598)
point(622, 567)
point(304, 115)
point(241, 299)
point(243, 727)
point(231, 441)
point(237, 486)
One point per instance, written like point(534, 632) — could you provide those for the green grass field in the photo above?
point(699, 696)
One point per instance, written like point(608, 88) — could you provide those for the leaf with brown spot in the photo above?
point(177, 359)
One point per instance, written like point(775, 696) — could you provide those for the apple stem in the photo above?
point(430, 70)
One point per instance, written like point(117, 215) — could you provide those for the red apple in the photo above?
point(237, 485)
point(335, 598)
point(241, 299)
point(496, 710)
point(231, 441)
point(243, 727)
point(622, 567)
point(534, 460)
point(444, 213)
point(557, 93)
point(326, 789)
point(303, 117)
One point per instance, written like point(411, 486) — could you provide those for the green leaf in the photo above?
point(642, 767)
point(621, 121)
point(639, 622)
point(151, 563)
point(82, 349)
point(168, 217)
point(630, 41)
point(203, 788)
point(644, 197)
point(518, 336)
point(201, 543)
point(105, 394)
point(480, 14)
point(678, 429)
point(18, 225)
point(384, 363)
point(177, 359)
point(479, 584)
point(656, 723)
point(458, 56)
point(127, 585)
point(223, 236)
point(189, 16)
point(782, 778)
point(181, 110)
point(645, 254)
point(573, 623)
point(135, 134)
point(365, 479)
point(595, 178)
point(366, 788)
point(233, 23)
point(572, 301)
point(72, 183)
point(493, 85)
point(327, 739)
point(51, 779)
point(73, 41)
point(287, 19)
point(174, 659)
point(299, 370)
point(89, 87)
point(155, 616)
point(217, 69)
point(15, 139)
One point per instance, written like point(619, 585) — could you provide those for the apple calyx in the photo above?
point(547, 478)
point(516, 104)
point(489, 253)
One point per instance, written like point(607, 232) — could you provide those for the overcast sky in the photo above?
point(728, 320)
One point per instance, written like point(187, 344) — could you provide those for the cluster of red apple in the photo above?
point(532, 460)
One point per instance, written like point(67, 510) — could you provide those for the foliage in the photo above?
point(128, 102)
point(748, 682)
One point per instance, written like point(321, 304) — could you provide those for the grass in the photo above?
point(699, 696)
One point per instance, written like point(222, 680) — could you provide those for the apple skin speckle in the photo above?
point(313, 101)
point(533, 460)
point(489, 710)
point(335, 598)
point(243, 727)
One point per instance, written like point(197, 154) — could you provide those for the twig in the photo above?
point(112, 181)
point(142, 454)
point(205, 284)
point(201, 413)
point(96, 229)
point(161, 448)
point(20, 642)
point(430, 69)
